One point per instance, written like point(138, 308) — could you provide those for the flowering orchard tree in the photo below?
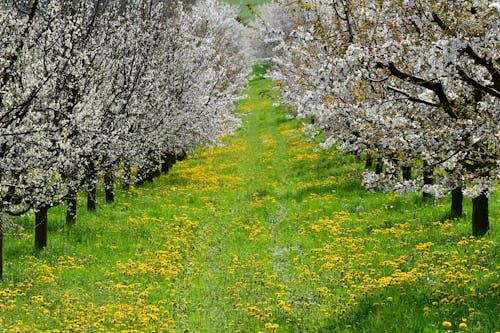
point(87, 87)
point(413, 83)
point(38, 96)
point(273, 24)
point(203, 67)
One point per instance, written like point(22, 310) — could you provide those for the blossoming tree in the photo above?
point(89, 87)
point(412, 83)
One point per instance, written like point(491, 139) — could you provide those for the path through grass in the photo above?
point(264, 234)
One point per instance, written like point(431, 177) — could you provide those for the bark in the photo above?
point(181, 156)
point(92, 188)
point(168, 160)
point(147, 170)
point(368, 161)
point(156, 172)
point(127, 176)
point(428, 180)
point(91, 196)
point(109, 185)
point(141, 176)
point(150, 174)
point(41, 227)
point(406, 172)
point(480, 222)
point(394, 172)
point(457, 199)
point(71, 209)
point(379, 167)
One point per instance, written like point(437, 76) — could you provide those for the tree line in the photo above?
point(413, 86)
point(92, 90)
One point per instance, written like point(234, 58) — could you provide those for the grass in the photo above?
point(264, 234)
point(247, 8)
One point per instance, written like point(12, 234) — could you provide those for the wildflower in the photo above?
point(447, 324)
point(272, 327)
point(462, 326)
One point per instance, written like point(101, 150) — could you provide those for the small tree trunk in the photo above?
point(181, 156)
point(392, 171)
point(428, 180)
point(156, 172)
point(168, 161)
point(141, 176)
point(379, 166)
point(127, 175)
point(109, 185)
point(71, 209)
point(480, 222)
point(163, 163)
point(457, 199)
point(92, 188)
point(150, 174)
point(41, 227)
point(91, 197)
point(368, 161)
point(406, 172)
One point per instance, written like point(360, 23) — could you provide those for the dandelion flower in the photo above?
point(446, 324)
point(462, 326)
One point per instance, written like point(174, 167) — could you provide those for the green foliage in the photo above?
point(264, 234)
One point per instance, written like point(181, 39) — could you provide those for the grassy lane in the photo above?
point(264, 234)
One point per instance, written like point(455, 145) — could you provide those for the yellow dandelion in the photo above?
point(462, 326)
point(447, 324)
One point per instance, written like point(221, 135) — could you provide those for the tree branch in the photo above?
point(495, 75)
point(436, 87)
point(413, 99)
point(476, 84)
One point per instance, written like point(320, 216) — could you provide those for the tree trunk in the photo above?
point(141, 176)
point(394, 172)
point(379, 166)
point(109, 184)
point(91, 196)
point(457, 199)
point(127, 176)
point(480, 222)
point(150, 174)
point(181, 156)
point(368, 161)
point(406, 172)
point(41, 227)
point(168, 161)
point(156, 172)
point(71, 209)
point(92, 188)
point(428, 180)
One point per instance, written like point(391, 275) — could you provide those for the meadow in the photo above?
point(262, 234)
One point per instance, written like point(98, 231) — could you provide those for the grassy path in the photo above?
point(262, 235)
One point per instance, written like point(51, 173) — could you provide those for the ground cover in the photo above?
point(263, 234)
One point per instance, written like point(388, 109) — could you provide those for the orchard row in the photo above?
point(97, 88)
point(413, 86)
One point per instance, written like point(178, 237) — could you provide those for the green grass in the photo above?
point(247, 8)
point(263, 234)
